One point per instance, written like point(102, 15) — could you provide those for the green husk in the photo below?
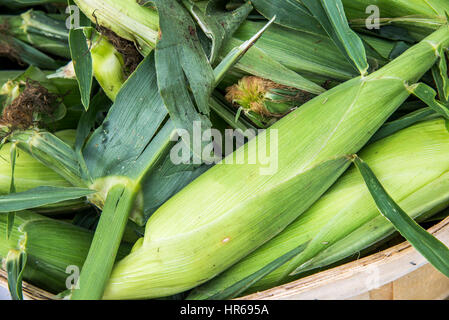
point(6, 75)
point(25, 54)
point(39, 30)
point(51, 152)
point(16, 4)
point(126, 18)
point(264, 101)
point(419, 17)
point(229, 211)
point(108, 66)
point(398, 8)
point(413, 166)
point(312, 56)
point(30, 173)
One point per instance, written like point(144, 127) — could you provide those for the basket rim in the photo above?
point(349, 280)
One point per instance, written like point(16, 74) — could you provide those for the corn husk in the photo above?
point(39, 30)
point(15, 4)
point(108, 66)
point(264, 101)
point(30, 173)
point(231, 210)
point(23, 53)
point(313, 56)
point(419, 17)
point(53, 248)
point(412, 165)
point(6, 75)
point(128, 19)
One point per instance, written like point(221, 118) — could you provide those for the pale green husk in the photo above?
point(108, 66)
point(51, 247)
point(29, 173)
point(412, 165)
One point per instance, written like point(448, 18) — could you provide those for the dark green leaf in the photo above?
point(186, 85)
point(82, 62)
point(289, 13)
point(100, 103)
point(431, 248)
point(394, 126)
point(394, 33)
point(218, 23)
point(428, 96)
point(134, 131)
point(236, 54)
point(331, 15)
point(15, 265)
point(399, 48)
point(87, 220)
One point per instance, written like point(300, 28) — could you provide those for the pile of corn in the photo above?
point(110, 190)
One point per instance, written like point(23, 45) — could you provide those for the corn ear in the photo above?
point(30, 173)
point(231, 210)
point(413, 166)
point(108, 66)
point(127, 18)
point(39, 30)
point(15, 4)
point(52, 152)
point(264, 101)
point(54, 248)
point(23, 53)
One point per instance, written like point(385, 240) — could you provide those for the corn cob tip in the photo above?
point(263, 97)
point(248, 93)
point(128, 50)
point(34, 99)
